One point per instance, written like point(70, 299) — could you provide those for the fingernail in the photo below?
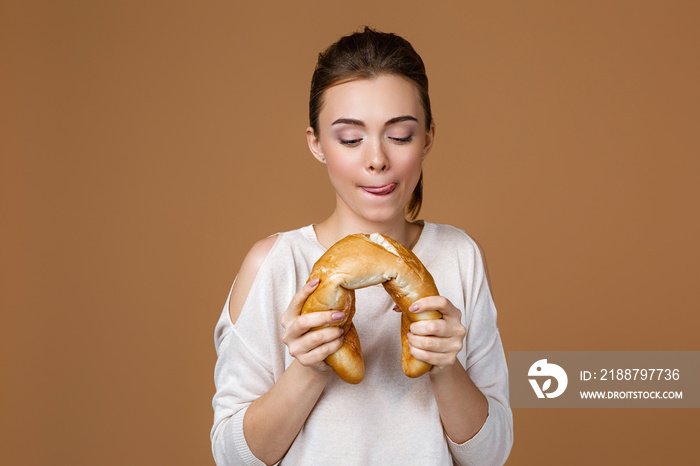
point(413, 308)
point(337, 315)
point(313, 282)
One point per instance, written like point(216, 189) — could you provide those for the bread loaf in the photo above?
point(358, 261)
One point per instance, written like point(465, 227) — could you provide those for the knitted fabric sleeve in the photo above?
point(485, 363)
point(251, 357)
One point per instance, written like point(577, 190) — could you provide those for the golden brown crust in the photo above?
point(358, 261)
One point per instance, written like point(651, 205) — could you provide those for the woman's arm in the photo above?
point(463, 408)
point(272, 422)
point(472, 395)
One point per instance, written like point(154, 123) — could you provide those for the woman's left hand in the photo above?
point(437, 342)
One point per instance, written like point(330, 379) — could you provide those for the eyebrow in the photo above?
point(353, 121)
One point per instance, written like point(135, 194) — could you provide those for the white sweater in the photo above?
point(388, 418)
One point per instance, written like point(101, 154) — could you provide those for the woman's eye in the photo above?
point(402, 140)
point(350, 142)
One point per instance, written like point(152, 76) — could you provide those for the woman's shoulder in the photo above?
point(260, 252)
point(246, 274)
point(450, 235)
point(456, 241)
point(261, 249)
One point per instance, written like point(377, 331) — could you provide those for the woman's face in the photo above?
point(373, 140)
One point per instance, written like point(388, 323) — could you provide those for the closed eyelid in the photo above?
point(404, 130)
point(406, 140)
point(350, 142)
point(345, 136)
point(401, 132)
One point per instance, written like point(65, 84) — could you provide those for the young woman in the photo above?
point(276, 399)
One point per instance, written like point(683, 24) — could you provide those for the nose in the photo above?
point(377, 160)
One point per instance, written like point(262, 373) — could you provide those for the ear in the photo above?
point(429, 138)
point(314, 145)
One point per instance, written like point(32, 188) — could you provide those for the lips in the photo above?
point(380, 190)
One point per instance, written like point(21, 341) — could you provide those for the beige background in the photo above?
point(146, 145)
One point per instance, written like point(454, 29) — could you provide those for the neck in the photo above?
point(338, 226)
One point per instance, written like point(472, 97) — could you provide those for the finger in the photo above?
point(439, 360)
point(311, 340)
point(313, 320)
point(314, 347)
point(435, 344)
point(316, 356)
point(436, 303)
point(298, 300)
point(303, 294)
point(435, 327)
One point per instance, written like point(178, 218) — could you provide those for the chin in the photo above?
point(383, 215)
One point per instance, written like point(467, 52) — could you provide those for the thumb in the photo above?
point(302, 295)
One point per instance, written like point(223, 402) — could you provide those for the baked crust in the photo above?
point(358, 261)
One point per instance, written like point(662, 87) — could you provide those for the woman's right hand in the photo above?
point(274, 420)
point(308, 346)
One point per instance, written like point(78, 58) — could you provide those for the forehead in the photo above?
point(377, 99)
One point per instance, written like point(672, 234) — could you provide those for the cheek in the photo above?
point(339, 169)
point(410, 167)
point(413, 170)
point(337, 163)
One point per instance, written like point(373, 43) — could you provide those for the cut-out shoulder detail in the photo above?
point(246, 275)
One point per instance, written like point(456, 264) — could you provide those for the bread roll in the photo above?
point(358, 261)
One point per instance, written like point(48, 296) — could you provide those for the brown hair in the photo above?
point(365, 55)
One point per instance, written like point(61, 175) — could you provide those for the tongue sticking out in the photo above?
point(386, 189)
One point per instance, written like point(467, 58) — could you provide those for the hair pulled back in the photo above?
point(366, 55)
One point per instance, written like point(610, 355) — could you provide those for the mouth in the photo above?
point(380, 190)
